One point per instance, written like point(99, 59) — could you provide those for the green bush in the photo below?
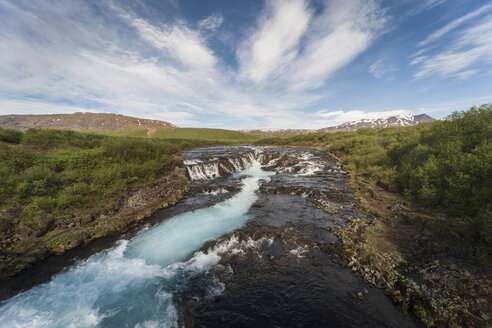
point(10, 136)
point(450, 164)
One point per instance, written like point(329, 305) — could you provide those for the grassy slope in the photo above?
point(141, 133)
point(54, 181)
point(202, 133)
point(431, 186)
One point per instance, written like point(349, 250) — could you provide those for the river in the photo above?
point(254, 245)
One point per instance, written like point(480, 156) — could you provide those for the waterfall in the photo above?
point(235, 163)
point(200, 170)
point(241, 158)
point(203, 171)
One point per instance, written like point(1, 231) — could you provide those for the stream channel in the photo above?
point(253, 245)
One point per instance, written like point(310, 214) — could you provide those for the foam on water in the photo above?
point(133, 284)
point(215, 192)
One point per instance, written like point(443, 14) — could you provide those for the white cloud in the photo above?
point(471, 47)
point(454, 24)
point(426, 5)
point(39, 107)
point(178, 118)
point(190, 106)
point(183, 43)
point(275, 43)
point(211, 22)
point(297, 50)
point(465, 75)
point(429, 4)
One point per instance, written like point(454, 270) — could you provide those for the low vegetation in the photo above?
point(205, 134)
point(51, 174)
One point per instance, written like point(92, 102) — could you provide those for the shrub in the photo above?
point(10, 136)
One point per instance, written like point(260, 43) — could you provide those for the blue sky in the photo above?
point(246, 64)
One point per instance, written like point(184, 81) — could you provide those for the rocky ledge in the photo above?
point(421, 267)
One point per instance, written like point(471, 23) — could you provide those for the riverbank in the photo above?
point(423, 266)
point(114, 218)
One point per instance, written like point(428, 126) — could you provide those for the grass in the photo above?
point(137, 133)
point(204, 134)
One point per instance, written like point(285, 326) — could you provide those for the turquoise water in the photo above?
point(135, 283)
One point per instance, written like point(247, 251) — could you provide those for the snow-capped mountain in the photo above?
point(392, 121)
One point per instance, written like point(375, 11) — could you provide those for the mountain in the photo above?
point(277, 133)
point(392, 121)
point(112, 122)
point(81, 122)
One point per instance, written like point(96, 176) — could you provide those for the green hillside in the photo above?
point(203, 134)
point(140, 133)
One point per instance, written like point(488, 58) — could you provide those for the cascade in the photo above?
point(200, 170)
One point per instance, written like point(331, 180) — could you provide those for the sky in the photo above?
point(244, 64)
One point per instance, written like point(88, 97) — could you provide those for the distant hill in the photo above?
point(392, 121)
point(102, 122)
point(82, 122)
point(277, 133)
point(386, 122)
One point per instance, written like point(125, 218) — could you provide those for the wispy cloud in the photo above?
point(381, 69)
point(274, 44)
point(470, 47)
point(426, 5)
point(341, 33)
point(455, 24)
point(179, 118)
point(211, 22)
point(298, 50)
point(184, 44)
